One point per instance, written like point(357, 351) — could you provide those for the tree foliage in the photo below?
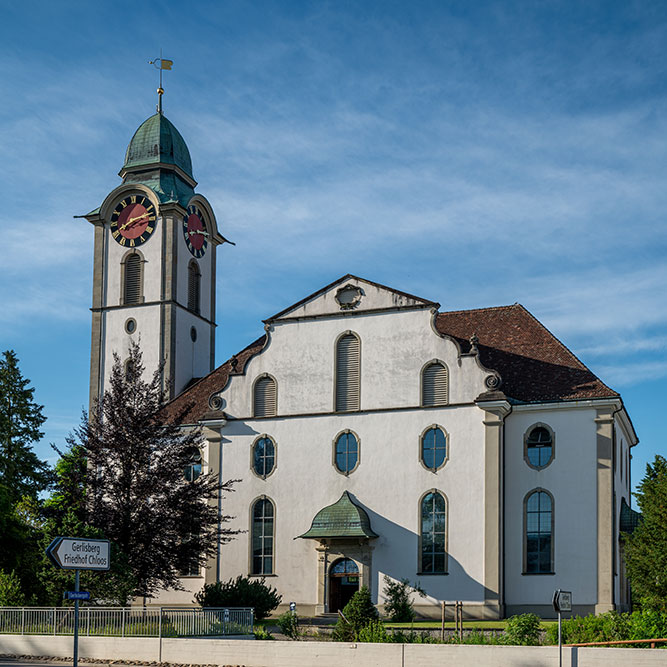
point(22, 473)
point(398, 605)
point(136, 491)
point(646, 548)
point(241, 592)
point(358, 613)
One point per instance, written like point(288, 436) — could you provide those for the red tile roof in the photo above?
point(533, 364)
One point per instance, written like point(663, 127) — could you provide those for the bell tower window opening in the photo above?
point(132, 278)
point(348, 373)
point(194, 287)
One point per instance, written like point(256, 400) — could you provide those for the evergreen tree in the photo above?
point(646, 548)
point(21, 471)
point(137, 494)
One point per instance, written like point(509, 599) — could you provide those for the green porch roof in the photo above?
point(629, 518)
point(343, 519)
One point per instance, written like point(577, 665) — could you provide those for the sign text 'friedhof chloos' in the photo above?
point(71, 553)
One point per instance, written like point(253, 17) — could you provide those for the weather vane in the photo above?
point(160, 64)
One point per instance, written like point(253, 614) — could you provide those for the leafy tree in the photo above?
point(646, 548)
point(398, 605)
point(21, 471)
point(11, 594)
point(240, 592)
point(136, 492)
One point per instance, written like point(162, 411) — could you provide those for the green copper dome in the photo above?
point(343, 519)
point(158, 141)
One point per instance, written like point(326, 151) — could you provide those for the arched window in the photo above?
point(264, 397)
point(263, 456)
point(433, 447)
point(348, 372)
point(132, 278)
point(433, 534)
point(346, 452)
point(435, 384)
point(194, 286)
point(538, 539)
point(539, 446)
point(192, 468)
point(262, 536)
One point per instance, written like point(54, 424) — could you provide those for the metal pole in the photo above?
point(76, 619)
point(23, 620)
point(560, 641)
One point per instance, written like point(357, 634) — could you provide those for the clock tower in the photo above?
point(154, 264)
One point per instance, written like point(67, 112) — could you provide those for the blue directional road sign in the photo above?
point(77, 595)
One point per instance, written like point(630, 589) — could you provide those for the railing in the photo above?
point(128, 621)
point(618, 642)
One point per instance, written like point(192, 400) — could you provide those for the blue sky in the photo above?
point(475, 154)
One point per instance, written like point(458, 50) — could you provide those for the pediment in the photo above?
point(348, 295)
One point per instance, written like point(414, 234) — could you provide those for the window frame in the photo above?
point(258, 379)
point(421, 447)
point(333, 452)
point(420, 533)
point(194, 270)
point(427, 365)
point(189, 465)
point(252, 455)
point(526, 436)
point(552, 570)
point(123, 270)
point(251, 559)
point(335, 372)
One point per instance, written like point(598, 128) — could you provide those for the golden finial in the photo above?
point(160, 64)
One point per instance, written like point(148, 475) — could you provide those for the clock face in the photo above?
point(194, 231)
point(133, 221)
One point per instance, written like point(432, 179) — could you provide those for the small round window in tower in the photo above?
point(130, 325)
point(193, 334)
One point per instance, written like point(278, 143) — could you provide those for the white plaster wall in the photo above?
point(389, 483)
point(373, 297)
point(571, 480)
point(394, 348)
point(117, 340)
point(193, 360)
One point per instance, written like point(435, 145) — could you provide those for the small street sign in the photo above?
point(73, 553)
point(77, 595)
point(562, 600)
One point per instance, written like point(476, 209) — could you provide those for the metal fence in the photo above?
point(128, 621)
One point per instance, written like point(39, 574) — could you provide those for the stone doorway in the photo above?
point(343, 583)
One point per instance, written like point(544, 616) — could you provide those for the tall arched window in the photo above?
point(192, 467)
point(264, 397)
point(538, 537)
point(194, 286)
point(262, 536)
point(132, 278)
point(434, 447)
point(348, 372)
point(263, 456)
point(539, 446)
point(433, 534)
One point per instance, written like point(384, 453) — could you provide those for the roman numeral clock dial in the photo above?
point(195, 232)
point(133, 221)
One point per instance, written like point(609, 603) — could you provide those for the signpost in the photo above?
point(562, 602)
point(74, 553)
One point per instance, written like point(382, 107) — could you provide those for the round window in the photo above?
point(193, 334)
point(130, 325)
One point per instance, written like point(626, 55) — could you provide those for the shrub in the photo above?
point(262, 633)
point(359, 612)
point(648, 624)
point(412, 637)
point(240, 592)
point(289, 625)
point(398, 605)
point(610, 626)
point(11, 594)
point(374, 632)
point(523, 630)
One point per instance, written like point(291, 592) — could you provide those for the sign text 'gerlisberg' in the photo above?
point(73, 553)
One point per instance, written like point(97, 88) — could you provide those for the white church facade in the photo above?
point(374, 434)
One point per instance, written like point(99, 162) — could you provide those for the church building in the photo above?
point(375, 435)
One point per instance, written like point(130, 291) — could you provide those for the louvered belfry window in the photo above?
point(435, 385)
point(265, 397)
point(132, 279)
point(348, 373)
point(194, 286)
